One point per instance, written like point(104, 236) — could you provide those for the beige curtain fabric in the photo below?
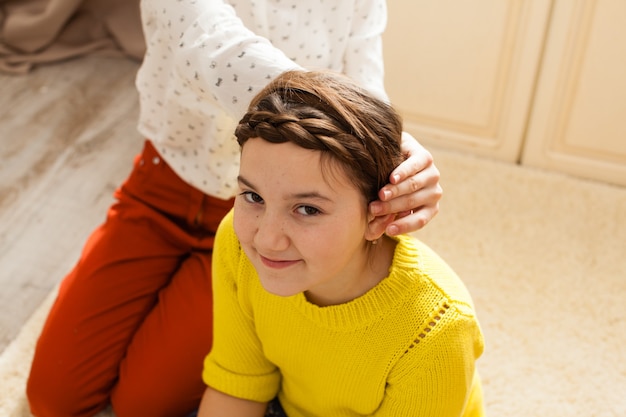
point(36, 32)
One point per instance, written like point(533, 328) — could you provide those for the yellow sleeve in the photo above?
point(236, 364)
point(437, 375)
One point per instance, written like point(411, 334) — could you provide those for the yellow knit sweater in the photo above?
point(405, 348)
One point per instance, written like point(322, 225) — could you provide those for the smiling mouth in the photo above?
point(276, 264)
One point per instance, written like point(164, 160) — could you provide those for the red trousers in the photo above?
point(133, 320)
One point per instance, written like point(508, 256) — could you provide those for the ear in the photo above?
point(377, 225)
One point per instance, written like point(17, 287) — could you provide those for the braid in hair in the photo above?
point(326, 112)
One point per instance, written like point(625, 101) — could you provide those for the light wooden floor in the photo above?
point(67, 139)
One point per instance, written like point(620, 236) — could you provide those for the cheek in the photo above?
point(328, 242)
point(344, 236)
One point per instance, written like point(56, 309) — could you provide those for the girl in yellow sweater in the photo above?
point(317, 311)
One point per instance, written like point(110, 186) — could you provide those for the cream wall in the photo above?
point(537, 82)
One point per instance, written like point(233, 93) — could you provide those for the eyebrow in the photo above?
point(312, 194)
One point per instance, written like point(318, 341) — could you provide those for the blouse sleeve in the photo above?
point(236, 364)
point(436, 375)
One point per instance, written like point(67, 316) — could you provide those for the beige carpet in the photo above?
point(545, 258)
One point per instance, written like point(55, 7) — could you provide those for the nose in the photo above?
point(271, 233)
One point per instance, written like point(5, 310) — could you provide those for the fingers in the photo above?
point(413, 193)
point(413, 221)
point(427, 178)
point(413, 210)
point(421, 189)
point(418, 159)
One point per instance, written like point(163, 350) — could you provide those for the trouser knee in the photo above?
point(48, 397)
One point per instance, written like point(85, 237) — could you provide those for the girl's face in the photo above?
point(303, 231)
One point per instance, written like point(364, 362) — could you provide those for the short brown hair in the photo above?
point(326, 111)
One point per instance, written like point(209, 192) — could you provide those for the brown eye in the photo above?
point(308, 210)
point(251, 197)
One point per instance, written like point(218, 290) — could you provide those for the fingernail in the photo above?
point(393, 230)
point(387, 194)
point(375, 208)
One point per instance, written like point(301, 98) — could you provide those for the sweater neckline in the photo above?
point(389, 293)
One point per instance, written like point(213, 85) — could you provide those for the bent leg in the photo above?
point(100, 305)
point(113, 287)
point(161, 231)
